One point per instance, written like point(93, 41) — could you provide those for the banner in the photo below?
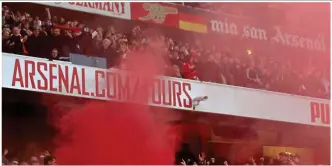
point(41, 75)
point(73, 80)
point(275, 35)
point(278, 35)
point(159, 13)
point(250, 32)
point(111, 9)
point(192, 23)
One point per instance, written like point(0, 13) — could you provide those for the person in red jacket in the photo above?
point(189, 68)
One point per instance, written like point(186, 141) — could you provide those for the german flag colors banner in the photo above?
point(194, 23)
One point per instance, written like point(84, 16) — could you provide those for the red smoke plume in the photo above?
point(116, 133)
point(112, 133)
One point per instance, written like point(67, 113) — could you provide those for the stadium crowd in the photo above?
point(183, 157)
point(45, 158)
point(54, 37)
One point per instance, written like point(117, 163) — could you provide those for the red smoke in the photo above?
point(113, 133)
point(116, 133)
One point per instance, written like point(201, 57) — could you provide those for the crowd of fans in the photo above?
point(186, 157)
point(183, 157)
point(55, 37)
point(45, 158)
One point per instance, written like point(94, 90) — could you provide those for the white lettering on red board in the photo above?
point(113, 7)
point(320, 112)
point(107, 84)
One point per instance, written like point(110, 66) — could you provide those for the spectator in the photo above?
point(302, 88)
point(14, 161)
point(210, 71)
point(183, 162)
point(237, 76)
point(282, 158)
point(4, 157)
point(251, 161)
point(267, 79)
point(111, 30)
point(252, 74)
point(175, 58)
point(105, 48)
point(34, 160)
point(9, 17)
point(74, 39)
point(315, 84)
point(82, 41)
point(99, 34)
point(296, 159)
point(184, 155)
point(189, 69)
point(62, 21)
point(54, 54)
point(123, 47)
point(136, 34)
point(121, 55)
point(261, 161)
point(55, 39)
point(173, 71)
point(213, 161)
point(15, 43)
point(106, 51)
point(25, 31)
point(5, 41)
point(202, 159)
point(49, 160)
point(35, 40)
point(37, 23)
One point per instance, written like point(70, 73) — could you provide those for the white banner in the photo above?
point(111, 9)
point(35, 74)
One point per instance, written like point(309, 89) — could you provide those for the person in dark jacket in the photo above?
point(35, 44)
point(5, 41)
point(16, 45)
point(56, 40)
point(81, 42)
point(185, 155)
point(106, 51)
point(55, 55)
